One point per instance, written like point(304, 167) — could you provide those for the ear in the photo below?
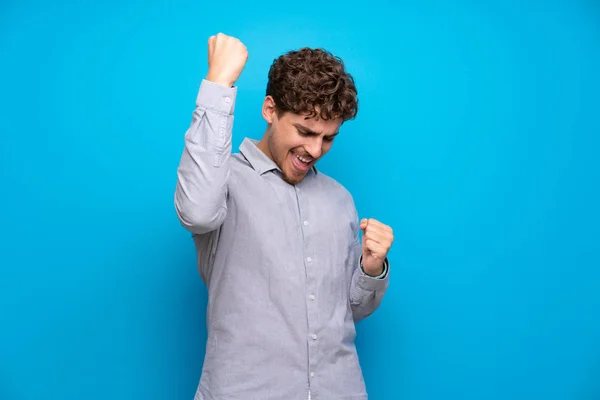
point(269, 110)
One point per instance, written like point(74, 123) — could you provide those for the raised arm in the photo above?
point(203, 172)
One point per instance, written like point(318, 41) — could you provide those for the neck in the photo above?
point(263, 145)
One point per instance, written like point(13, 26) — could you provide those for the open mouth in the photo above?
point(301, 163)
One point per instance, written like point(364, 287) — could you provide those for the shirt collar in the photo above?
point(259, 160)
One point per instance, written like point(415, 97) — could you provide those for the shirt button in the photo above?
point(314, 336)
point(312, 374)
point(305, 223)
point(308, 259)
point(312, 297)
point(227, 100)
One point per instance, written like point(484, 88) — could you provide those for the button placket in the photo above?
point(309, 263)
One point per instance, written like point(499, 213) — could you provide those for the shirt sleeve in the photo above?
point(366, 292)
point(203, 172)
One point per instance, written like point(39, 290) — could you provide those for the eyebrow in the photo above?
point(310, 132)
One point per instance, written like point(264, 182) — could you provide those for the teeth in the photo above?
point(304, 160)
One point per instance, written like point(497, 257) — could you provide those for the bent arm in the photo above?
point(203, 172)
point(366, 292)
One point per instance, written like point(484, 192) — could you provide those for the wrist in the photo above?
point(374, 274)
point(378, 273)
point(215, 78)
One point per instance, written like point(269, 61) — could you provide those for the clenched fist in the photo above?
point(376, 242)
point(227, 57)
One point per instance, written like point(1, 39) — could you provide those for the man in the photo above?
point(278, 241)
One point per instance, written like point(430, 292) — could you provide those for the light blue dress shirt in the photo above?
point(281, 263)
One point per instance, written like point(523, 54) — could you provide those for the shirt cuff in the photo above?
point(383, 274)
point(217, 97)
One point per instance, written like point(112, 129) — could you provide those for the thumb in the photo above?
point(363, 223)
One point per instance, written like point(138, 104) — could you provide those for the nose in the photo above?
point(314, 147)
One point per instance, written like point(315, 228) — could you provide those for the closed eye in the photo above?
point(302, 131)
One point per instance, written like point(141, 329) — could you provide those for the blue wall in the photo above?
point(477, 140)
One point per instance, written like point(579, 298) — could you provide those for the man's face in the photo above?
point(296, 143)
